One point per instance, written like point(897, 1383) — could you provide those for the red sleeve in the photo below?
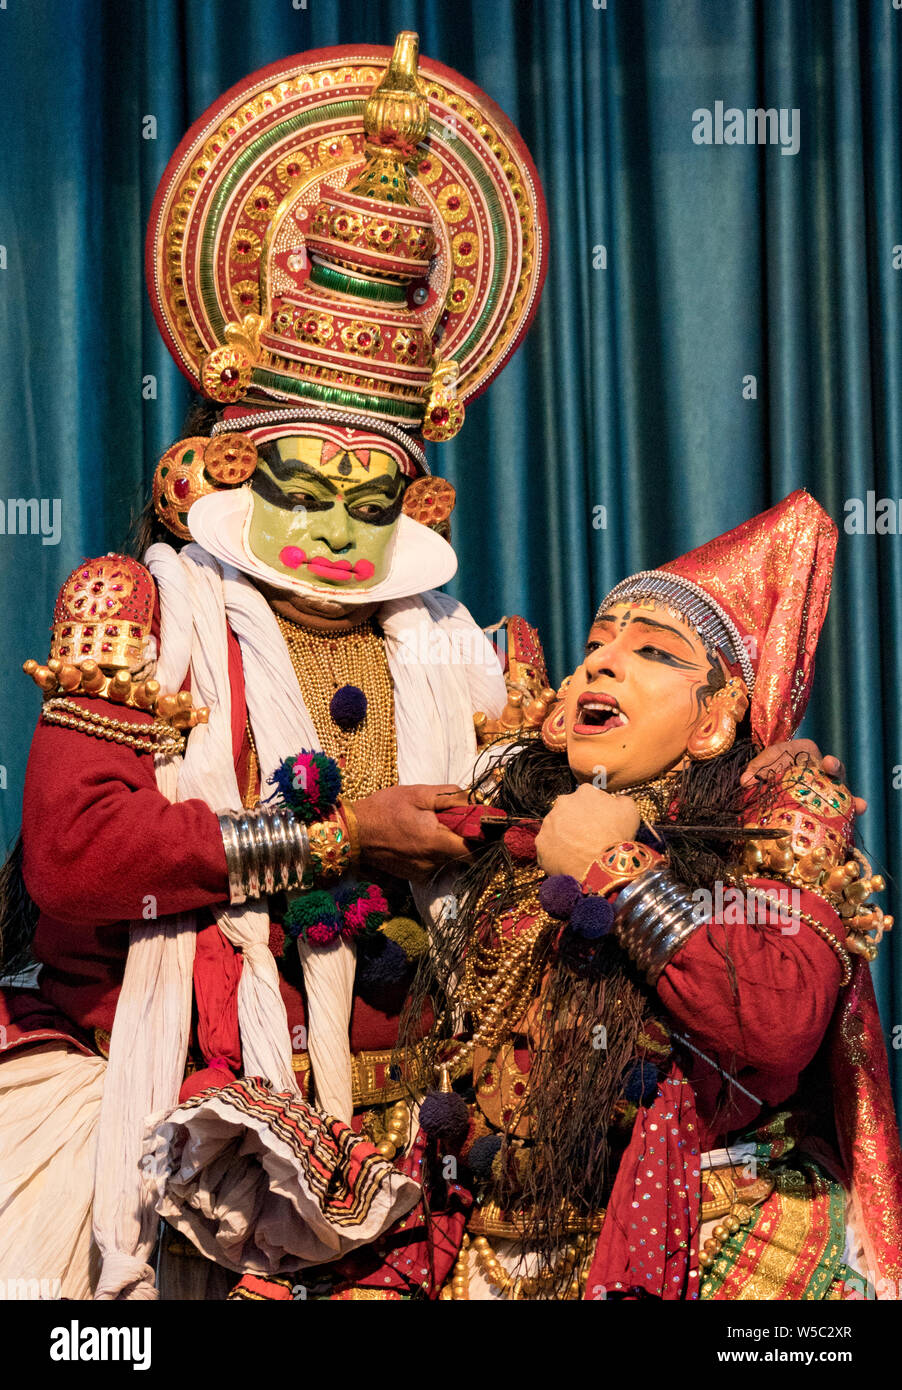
point(99, 837)
point(754, 990)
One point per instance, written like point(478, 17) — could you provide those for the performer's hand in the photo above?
point(400, 833)
point(833, 768)
point(780, 756)
point(579, 826)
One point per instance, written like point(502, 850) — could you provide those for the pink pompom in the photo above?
point(356, 913)
point(306, 776)
point(355, 918)
point(321, 933)
point(376, 898)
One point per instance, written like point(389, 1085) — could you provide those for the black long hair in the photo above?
point(18, 914)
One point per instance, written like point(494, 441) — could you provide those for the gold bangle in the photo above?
point(349, 816)
point(330, 848)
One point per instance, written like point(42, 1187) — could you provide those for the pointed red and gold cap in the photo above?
point(758, 596)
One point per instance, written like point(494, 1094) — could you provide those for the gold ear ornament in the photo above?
point(715, 732)
point(430, 501)
point(195, 467)
point(554, 728)
point(444, 412)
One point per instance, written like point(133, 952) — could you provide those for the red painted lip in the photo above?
point(596, 697)
point(592, 697)
point(336, 569)
point(342, 570)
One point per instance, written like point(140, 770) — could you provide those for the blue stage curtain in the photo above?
point(622, 434)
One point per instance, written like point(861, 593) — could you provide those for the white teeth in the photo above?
point(617, 720)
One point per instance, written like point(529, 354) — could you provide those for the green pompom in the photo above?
point(314, 916)
point(409, 935)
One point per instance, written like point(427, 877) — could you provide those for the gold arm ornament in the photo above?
point(60, 679)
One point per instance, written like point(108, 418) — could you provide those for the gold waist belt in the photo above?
point(371, 1079)
point(490, 1219)
point(371, 1082)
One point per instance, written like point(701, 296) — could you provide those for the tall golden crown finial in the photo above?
point(395, 119)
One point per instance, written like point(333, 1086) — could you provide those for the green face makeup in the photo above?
point(330, 523)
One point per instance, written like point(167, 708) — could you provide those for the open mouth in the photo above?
point(598, 714)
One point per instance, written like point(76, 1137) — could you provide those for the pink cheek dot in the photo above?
point(365, 569)
point(292, 556)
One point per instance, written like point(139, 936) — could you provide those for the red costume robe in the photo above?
point(103, 846)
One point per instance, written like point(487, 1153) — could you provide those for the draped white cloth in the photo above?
point(443, 668)
point(49, 1103)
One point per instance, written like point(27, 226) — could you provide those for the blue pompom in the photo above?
point(641, 1083)
point(558, 894)
point(282, 777)
point(444, 1116)
point(348, 890)
point(348, 706)
point(592, 917)
point(481, 1154)
point(383, 966)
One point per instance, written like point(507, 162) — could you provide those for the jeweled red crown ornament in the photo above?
point(103, 613)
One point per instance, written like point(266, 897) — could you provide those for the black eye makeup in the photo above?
point(372, 510)
point(266, 487)
point(651, 653)
point(297, 500)
point(372, 514)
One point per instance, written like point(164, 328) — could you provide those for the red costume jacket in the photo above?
point(103, 846)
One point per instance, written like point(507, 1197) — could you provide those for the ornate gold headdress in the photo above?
point(352, 229)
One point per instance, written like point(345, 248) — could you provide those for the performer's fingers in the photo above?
point(449, 795)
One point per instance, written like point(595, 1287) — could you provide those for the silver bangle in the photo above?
point(266, 849)
point(233, 856)
point(654, 918)
point(298, 845)
point(247, 848)
point(278, 867)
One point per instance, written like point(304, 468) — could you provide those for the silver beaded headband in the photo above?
point(332, 417)
point(715, 627)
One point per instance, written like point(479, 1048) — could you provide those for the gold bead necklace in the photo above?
point(649, 795)
point(324, 662)
point(501, 974)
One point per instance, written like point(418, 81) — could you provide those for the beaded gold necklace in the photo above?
point(501, 974)
point(324, 662)
point(649, 796)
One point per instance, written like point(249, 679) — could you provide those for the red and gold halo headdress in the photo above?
point(757, 595)
point(348, 231)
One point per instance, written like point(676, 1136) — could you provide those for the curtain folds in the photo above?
point(721, 323)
